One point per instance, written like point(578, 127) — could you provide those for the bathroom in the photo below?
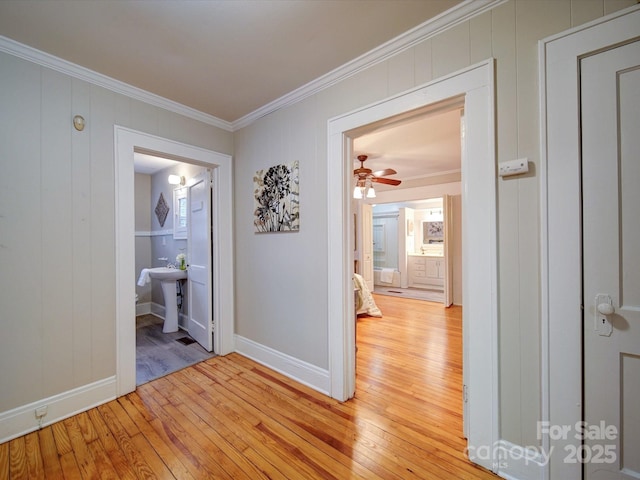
point(161, 240)
point(406, 234)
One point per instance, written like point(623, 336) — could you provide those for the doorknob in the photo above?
point(605, 308)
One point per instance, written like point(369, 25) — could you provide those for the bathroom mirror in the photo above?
point(180, 200)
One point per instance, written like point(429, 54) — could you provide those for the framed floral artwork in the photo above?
point(432, 231)
point(276, 193)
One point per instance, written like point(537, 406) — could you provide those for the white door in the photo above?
point(611, 242)
point(199, 247)
point(366, 248)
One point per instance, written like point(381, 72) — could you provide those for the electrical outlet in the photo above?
point(41, 411)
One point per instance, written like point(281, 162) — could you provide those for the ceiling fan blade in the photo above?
point(387, 181)
point(385, 172)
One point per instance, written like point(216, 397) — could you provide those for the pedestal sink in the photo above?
point(167, 277)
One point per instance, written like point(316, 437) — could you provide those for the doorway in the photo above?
point(423, 268)
point(473, 89)
point(162, 237)
point(416, 160)
point(126, 143)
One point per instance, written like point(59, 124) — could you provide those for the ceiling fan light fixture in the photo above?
point(365, 177)
point(368, 187)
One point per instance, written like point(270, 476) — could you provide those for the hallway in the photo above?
point(231, 418)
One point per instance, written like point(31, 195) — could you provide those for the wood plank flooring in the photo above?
point(231, 418)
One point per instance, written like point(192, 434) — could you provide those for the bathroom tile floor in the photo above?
point(158, 354)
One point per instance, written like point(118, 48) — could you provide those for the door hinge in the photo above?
point(465, 394)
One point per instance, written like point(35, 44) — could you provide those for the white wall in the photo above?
point(290, 315)
point(57, 253)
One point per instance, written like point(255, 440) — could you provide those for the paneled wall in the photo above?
point(289, 315)
point(143, 231)
point(57, 239)
point(57, 249)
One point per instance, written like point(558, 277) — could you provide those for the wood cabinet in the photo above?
point(426, 272)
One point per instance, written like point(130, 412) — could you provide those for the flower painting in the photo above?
point(277, 207)
point(434, 230)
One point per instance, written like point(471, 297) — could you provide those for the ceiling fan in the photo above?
point(365, 177)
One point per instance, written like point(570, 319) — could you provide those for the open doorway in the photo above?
point(163, 220)
point(416, 220)
point(472, 89)
point(412, 244)
point(128, 142)
point(417, 249)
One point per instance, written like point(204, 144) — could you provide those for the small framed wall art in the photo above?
point(276, 193)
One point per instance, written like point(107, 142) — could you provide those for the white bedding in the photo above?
point(364, 301)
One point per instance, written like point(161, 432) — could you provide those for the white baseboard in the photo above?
point(22, 420)
point(143, 308)
point(157, 310)
point(303, 372)
point(521, 463)
point(183, 322)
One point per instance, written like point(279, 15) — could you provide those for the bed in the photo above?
point(365, 304)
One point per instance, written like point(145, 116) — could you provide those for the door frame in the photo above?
point(474, 88)
point(561, 230)
point(126, 142)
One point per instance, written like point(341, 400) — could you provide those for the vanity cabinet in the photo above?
point(426, 272)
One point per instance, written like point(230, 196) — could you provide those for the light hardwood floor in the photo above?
point(230, 418)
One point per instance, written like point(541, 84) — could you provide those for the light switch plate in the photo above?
point(513, 167)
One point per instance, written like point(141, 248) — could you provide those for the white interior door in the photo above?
point(366, 248)
point(199, 256)
point(611, 241)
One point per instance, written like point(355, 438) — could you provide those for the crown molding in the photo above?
point(46, 60)
point(452, 17)
point(446, 20)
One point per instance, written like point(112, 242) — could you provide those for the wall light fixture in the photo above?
point(176, 180)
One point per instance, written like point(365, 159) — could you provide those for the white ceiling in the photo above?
point(228, 58)
point(149, 164)
point(421, 147)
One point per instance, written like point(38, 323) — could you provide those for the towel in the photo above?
point(144, 277)
point(386, 275)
